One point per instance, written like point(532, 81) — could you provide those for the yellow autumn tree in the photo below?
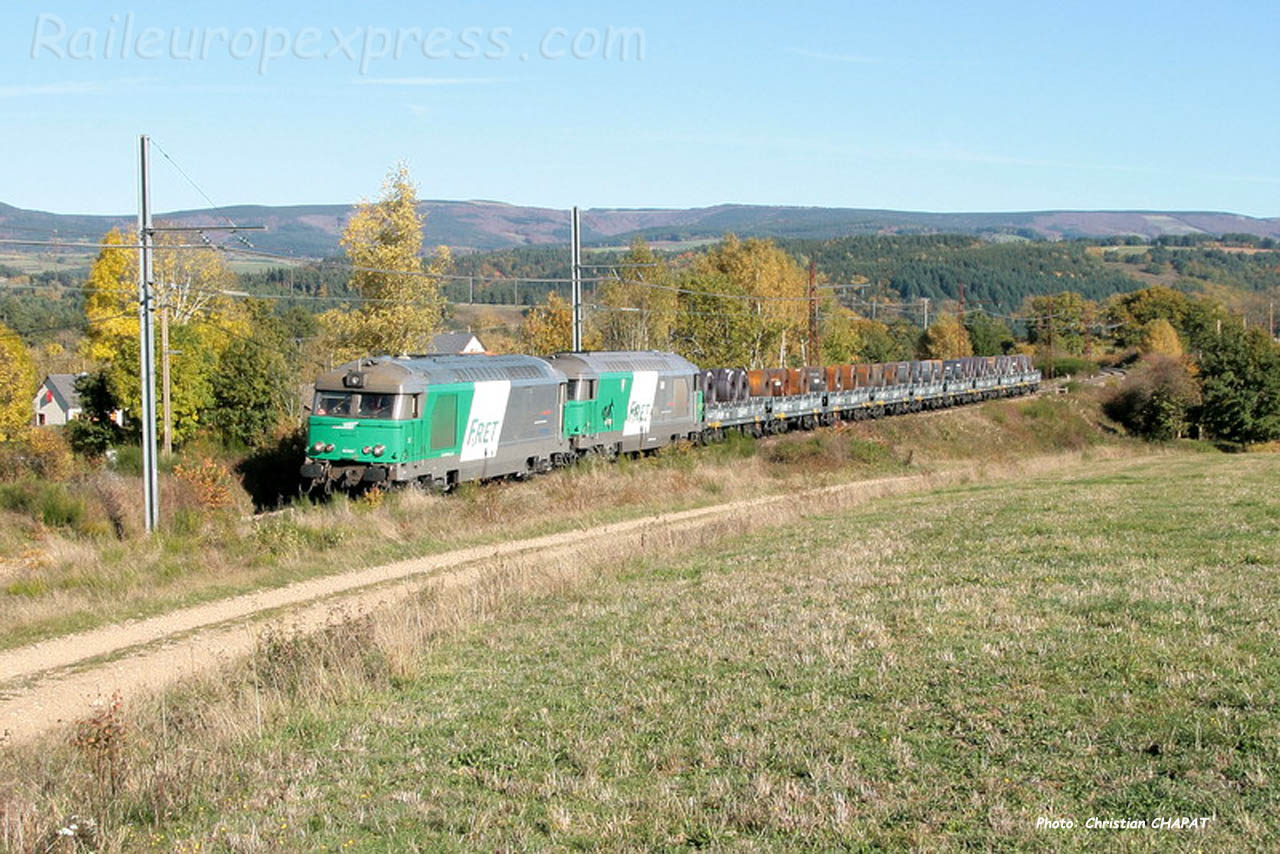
point(548, 328)
point(202, 321)
point(779, 313)
point(402, 305)
point(17, 385)
point(1160, 338)
point(946, 338)
point(639, 307)
point(111, 300)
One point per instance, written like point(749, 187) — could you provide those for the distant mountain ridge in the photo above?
point(311, 231)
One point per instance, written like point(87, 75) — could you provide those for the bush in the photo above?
point(1066, 366)
point(1156, 399)
point(41, 452)
point(49, 455)
point(50, 503)
point(209, 482)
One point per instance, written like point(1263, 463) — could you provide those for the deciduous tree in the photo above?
point(1160, 338)
point(17, 385)
point(403, 305)
point(1240, 381)
point(946, 338)
point(640, 305)
point(548, 328)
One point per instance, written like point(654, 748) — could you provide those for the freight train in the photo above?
point(441, 420)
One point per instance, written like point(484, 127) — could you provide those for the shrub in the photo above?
point(210, 482)
point(48, 454)
point(50, 503)
point(1156, 399)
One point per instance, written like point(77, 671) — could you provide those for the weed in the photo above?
point(100, 739)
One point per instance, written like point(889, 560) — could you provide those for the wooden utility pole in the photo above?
point(812, 356)
point(1051, 359)
point(164, 378)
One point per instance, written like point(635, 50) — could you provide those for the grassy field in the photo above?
point(935, 671)
point(64, 566)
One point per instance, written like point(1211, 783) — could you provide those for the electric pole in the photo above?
point(146, 320)
point(576, 253)
point(924, 302)
point(813, 313)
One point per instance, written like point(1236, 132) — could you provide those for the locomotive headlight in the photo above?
point(379, 450)
point(318, 448)
point(328, 448)
point(366, 450)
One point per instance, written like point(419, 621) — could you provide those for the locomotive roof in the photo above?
point(606, 361)
point(414, 373)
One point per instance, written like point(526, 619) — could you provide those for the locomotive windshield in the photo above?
point(346, 404)
point(334, 403)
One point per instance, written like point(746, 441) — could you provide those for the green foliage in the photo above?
point(249, 391)
point(996, 275)
point(252, 386)
point(1241, 386)
point(882, 342)
point(53, 504)
point(743, 306)
point(1059, 321)
point(94, 432)
point(990, 336)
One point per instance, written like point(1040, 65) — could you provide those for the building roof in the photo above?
point(453, 342)
point(64, 391)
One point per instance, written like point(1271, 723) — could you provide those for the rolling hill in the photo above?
point(313, 230)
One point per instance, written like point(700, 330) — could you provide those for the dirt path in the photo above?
point(53, 682)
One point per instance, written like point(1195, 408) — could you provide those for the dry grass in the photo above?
point(932, 671)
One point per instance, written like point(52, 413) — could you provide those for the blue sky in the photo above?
point(909, 105)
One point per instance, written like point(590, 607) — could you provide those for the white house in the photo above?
point(456, 342)
point(57, 401)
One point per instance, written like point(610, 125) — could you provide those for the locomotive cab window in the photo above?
point(374, 405)
point(336, 404)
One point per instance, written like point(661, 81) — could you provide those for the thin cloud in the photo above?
point(70, 87)
point(428, 81)
point(834, 57)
